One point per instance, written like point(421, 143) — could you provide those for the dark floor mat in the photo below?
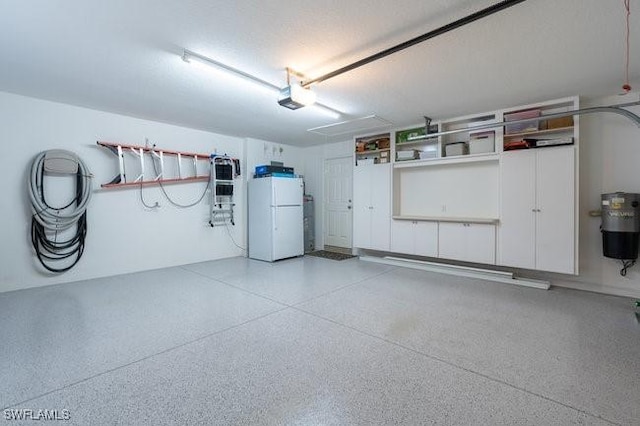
point(330, 255)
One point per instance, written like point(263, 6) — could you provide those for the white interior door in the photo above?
point(338, 197)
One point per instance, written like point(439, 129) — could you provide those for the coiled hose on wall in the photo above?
point(58, 233)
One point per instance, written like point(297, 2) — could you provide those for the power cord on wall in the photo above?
point(627, 8)
point(175, 203)
point(226, 225)
point(149, 206)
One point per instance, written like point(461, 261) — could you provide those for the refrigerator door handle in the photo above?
point(273, 193)
point(275, 207)
point(275, 218)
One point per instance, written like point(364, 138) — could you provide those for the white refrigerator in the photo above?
point(275, 218)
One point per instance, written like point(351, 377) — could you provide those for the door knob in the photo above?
point(349, 207)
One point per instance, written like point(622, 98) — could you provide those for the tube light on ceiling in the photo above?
point(188, 56)
point(293, 96)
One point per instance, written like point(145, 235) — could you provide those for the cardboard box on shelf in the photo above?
point(557, 123)
point(384, 143)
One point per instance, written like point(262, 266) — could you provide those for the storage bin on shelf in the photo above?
point(482, 142)
point(410, 134)
point(409, 154)
point(530, 126)
point(456, 148)
point(366, 161)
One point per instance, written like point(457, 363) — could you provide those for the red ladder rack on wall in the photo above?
point(120, 180)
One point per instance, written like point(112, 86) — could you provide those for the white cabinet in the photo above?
point(372, 206)
point(415, 237)
point(469, 242)
point(537, 220)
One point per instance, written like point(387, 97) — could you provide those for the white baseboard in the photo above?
point(461, 271)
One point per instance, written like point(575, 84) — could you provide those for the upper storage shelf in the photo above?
point(542, 131)
point(373, 149)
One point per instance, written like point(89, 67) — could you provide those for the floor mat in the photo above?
point(330, 255)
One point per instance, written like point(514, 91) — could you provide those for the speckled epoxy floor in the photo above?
point(315, 341)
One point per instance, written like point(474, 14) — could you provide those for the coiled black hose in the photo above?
point(49, 223)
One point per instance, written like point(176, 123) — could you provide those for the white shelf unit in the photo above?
point(474, 198)
point(466, 138)
point(539, 218)
point(545, 129)
point(372, 149)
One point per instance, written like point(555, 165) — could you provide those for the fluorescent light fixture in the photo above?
point(293, 96)
point(189, 56)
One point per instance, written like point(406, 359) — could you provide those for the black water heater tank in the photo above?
point(620, 225)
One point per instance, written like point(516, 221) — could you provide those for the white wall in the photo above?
point(264, 152)
point(609, 162)
point(453, 190)
point(123, 236)
point(314, 158)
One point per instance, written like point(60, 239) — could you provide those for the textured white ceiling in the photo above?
point(124, 56)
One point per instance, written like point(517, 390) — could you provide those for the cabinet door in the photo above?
point(380, 187)
point(518, 203)
point(481, 243)
point(362, 206)
point(555, 226)
point(452, 241)
point(470, 242)
point(402, 238)
point(425, 236)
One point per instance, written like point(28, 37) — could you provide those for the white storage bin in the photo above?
point(482, 142)
point(427, 154)
point(366, 162)
point(404, 155)
point(456, 148)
